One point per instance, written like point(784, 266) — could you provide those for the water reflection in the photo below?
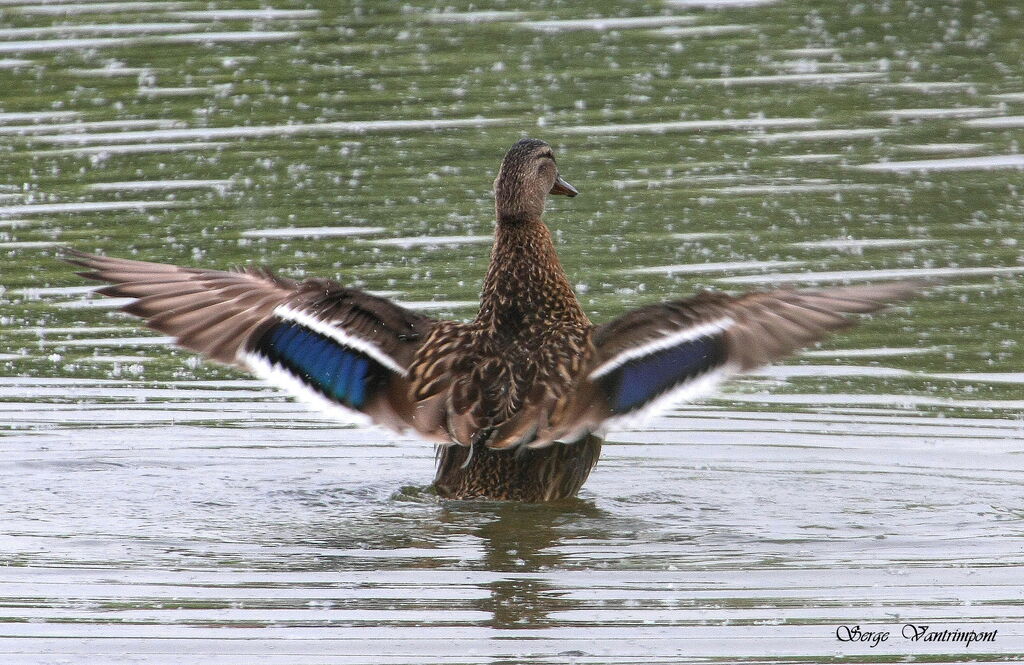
point(522, 539)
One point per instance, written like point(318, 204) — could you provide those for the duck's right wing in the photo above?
point(662, 354)
point(340, 348)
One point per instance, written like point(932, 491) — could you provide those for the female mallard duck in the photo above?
point(517, 397)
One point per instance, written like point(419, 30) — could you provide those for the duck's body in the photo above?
point(503, 375)
point(516, 398)
point(523, 474)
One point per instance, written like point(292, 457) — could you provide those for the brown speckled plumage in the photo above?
point(518, 397)
point(499, 372)
point(522, 474)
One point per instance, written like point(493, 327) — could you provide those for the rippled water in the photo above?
point(155, 509)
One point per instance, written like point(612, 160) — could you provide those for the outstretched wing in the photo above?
point(334, 346)
point(670, 352)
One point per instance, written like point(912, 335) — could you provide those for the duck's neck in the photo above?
point(525, 284)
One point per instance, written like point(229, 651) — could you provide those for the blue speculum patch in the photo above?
point(337, 371)
point(641, 380)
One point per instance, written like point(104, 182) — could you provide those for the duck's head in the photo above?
point(527, 175)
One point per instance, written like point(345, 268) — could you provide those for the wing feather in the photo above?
point(338, 346)
point(682, 349)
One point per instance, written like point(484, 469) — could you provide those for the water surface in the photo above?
point(156, 508)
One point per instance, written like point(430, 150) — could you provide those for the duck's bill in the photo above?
point(564, 188)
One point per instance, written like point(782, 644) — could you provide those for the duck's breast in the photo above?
point(495, 388)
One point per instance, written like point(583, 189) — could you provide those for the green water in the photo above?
point(380, 64)
point(893, 81)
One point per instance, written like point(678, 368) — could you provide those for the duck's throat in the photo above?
point(525, 284)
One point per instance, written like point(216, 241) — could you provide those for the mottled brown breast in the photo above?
point(484, 385)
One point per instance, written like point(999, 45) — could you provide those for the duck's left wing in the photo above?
point(341, 348)
point(676, 351)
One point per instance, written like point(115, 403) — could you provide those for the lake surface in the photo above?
point(155, 509)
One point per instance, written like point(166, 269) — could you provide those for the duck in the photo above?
point(517, 400)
